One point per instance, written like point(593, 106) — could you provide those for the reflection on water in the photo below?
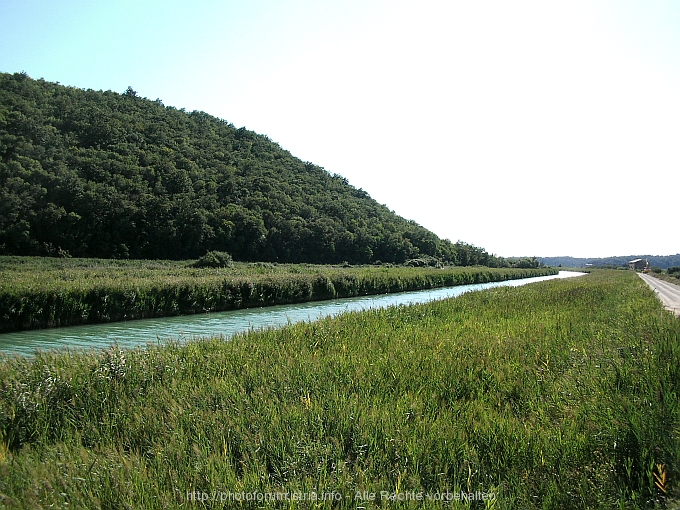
point(141, 332)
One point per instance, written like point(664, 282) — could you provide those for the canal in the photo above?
point(226, 324)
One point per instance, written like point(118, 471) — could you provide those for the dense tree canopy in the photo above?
point(101, 174)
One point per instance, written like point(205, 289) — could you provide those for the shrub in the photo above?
point(674, 269)
point(424, 261)
point(214, 259)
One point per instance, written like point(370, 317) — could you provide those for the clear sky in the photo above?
point(527, 127)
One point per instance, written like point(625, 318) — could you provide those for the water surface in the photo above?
point(226, 324)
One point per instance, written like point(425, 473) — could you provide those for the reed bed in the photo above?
point(560, 394)
point(40, 293)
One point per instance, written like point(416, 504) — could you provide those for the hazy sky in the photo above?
point(528, 128)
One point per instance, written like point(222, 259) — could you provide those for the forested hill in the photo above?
point(101, 174)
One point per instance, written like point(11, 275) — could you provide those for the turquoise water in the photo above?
point(141, 332)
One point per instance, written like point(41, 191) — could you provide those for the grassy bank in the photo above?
point(670, 278)
point(48, 292)
point(561, 394)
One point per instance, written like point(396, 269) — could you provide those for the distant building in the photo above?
point(637, 264)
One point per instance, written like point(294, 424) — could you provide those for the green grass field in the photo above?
point(560, 394)
point(48, 292)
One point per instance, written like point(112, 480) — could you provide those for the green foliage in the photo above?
point(424, 261)
point(559, 394)
point(214, 259)
point(673, 270)
point(38, 292)
point(100, 174)
point(525, 262)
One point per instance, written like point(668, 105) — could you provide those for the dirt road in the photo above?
point(668, 293)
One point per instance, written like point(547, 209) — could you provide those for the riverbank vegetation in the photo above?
point(671, 275)
point(556, 395)
point(39, 292)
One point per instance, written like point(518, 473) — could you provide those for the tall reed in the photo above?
point(35, 293)
point(561, 394)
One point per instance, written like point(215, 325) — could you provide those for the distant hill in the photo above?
point(101, 174)
point(663, 262)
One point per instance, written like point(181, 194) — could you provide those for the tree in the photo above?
point(104, 174)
